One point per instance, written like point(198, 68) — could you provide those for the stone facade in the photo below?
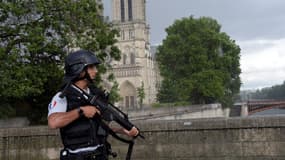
point(137, 66)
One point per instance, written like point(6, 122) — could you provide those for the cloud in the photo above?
point(262, 63)
point(257, 26)
point(241, 19)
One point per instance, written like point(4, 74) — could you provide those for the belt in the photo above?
point(90, 155)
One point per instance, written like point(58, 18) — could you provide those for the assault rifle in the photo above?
point(109, 112)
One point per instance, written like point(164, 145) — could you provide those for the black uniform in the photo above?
point(83, 132)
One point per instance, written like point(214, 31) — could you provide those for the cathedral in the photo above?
point(137, 67)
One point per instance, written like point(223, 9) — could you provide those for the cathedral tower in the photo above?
point(136, 67)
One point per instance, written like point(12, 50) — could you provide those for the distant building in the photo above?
point(137, 64)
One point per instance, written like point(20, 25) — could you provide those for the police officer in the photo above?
point(81, 130)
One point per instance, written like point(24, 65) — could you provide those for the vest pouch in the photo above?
point(101, 132)
point(78, 136)
point(78, 143)
point(81, 131)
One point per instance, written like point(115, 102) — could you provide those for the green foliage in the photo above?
point(141, 93)
point(198, 63)
point(275, 92)
point(35, 36)
point(114, 93)
point(6, 110)
point(176, 104)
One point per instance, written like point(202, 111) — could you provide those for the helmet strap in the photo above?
point(87, 76)
point(78, 78)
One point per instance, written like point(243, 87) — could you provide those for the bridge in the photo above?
point(254, 107)
point(262, 105)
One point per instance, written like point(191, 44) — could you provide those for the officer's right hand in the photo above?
point(90, 111)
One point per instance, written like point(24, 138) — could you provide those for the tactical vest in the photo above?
point(82, 132)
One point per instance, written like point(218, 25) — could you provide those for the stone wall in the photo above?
point(255, 138)
point(179, 112)
point(14, 122)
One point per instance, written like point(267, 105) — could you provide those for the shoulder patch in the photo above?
point(54, 103)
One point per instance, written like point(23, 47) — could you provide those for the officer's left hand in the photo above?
point(133, 132)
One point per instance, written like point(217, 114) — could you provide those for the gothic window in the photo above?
point(122, 10)
point(127, 102)
point(128, 92)
point(132, 101)
point(143, 13)
point(123, 35)
point(130, 10)
point(131, 34)
point(133, 58)
point(124, 59)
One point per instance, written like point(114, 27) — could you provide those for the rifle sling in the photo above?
point(115, 135)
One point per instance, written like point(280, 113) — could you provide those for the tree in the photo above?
point(35, 36)
point(141, 94)
point(276, 92)
point(198, 63)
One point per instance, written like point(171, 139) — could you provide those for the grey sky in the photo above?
point(258, 26)
point(242, 19)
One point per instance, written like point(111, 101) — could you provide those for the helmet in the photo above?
point(76, 62)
